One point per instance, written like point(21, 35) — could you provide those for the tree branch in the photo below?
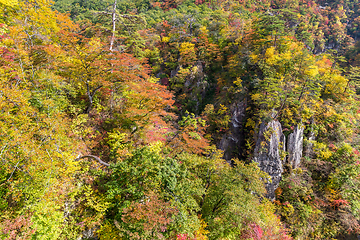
point(113, 14)
point(95, 158)
point(218, 204)
point(94, 91)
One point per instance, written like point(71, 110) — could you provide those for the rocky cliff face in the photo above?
point(295, 146)
point(269, 153)
point(310, 139)
point(232, 142)
point(272, 149)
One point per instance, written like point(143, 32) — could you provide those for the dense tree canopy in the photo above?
point(113, 114)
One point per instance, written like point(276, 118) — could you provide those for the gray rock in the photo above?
point(232, 142)
point(174, 72)
point(89, 234)
point(310, 139)
point(295, 146)
point(269, 149)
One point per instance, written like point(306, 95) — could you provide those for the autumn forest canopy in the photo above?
point(179, 119)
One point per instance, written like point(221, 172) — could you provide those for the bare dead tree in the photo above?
point(128, 21)
point(94, 158)
point(113, 18)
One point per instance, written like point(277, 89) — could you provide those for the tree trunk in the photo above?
point(113, 26)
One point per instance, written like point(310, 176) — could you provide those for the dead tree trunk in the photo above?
point(113, 26)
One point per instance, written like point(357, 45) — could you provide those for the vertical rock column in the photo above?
point(232, 142)
point(295, 146)
point(311, 137)
point(269, 149)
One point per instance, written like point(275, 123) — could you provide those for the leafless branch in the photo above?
point(95, 158)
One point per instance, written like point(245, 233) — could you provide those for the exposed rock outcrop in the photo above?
point(310, 139)
point(295, 146)
point(89, 234)
point(269, 151)
point(232, 142)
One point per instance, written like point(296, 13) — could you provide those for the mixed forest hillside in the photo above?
point(179, 119)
